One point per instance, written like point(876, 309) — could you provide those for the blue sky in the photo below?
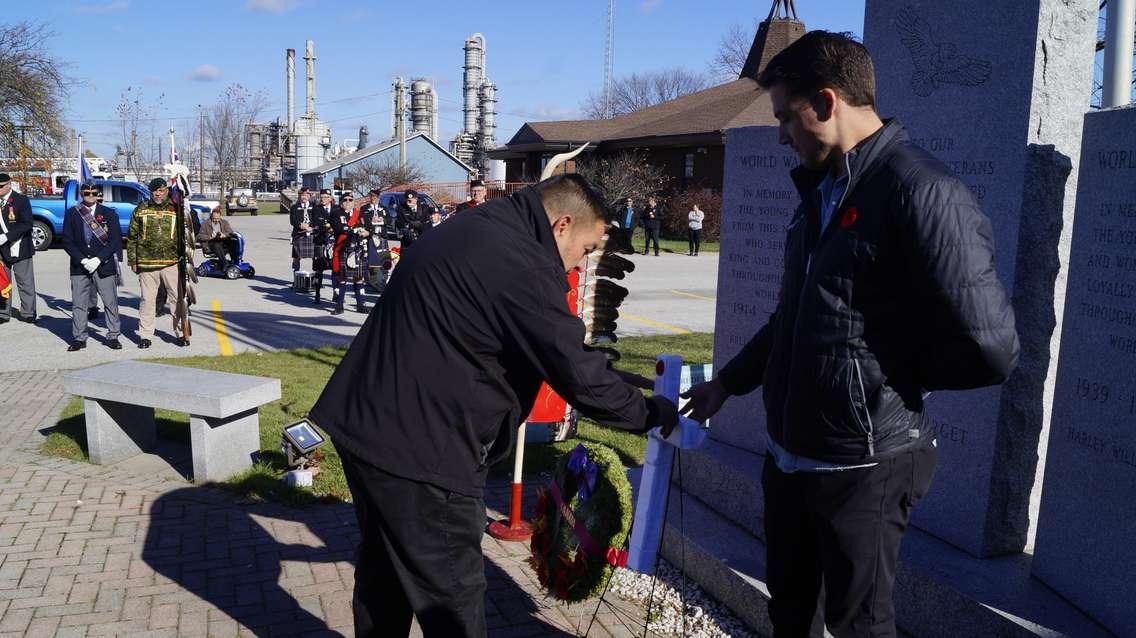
point(543, 56)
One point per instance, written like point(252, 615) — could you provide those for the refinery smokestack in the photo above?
point(310, 58)
point(290, 67)
point(474, 73)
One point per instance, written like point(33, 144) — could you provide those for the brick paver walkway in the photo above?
point(87, 550)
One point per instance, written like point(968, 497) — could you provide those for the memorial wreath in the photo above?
point(581, 524)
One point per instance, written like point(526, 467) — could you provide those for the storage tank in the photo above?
point(313, 139)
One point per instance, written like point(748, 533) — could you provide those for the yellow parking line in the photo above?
point(656, 324)
point(219, 328)
point(691, 294)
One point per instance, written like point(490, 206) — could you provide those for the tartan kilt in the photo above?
point(303, 247)
point(359, 272)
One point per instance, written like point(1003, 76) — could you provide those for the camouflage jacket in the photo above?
point(151, 243)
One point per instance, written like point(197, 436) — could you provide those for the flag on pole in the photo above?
point(84, 169)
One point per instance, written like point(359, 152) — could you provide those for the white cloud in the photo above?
point(205, 73)
point(102, 7)
point(647, 6)
point(272, 6)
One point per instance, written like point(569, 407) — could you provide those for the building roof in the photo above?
point(364, 153)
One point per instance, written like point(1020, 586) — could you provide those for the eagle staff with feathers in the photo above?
point(433, 388)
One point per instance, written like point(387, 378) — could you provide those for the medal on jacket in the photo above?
point(11, 213)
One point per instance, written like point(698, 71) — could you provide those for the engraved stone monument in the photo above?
point(1086, 537)
point(984, 86)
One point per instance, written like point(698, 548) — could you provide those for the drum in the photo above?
point(303, 280)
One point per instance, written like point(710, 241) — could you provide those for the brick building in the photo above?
point(685, 136)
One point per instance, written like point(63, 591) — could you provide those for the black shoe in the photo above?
point(143, 344)
point(113, 344)
point(181, 342)
point(338, 310)
point(316, 300)
point(92, 314)
point(362, 307)
point(76, 346)
point(31, 319)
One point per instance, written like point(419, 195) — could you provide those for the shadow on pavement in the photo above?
point(233, 556)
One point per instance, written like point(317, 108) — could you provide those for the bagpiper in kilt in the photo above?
point(323, 239)
point(302, 216)
point(349, 259)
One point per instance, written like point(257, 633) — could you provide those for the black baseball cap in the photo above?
point(325, 191)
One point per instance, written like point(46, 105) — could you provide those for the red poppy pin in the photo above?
point(100, 218)
point(849, 217)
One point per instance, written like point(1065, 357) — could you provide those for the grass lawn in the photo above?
point(303, 374)
point(678, 246)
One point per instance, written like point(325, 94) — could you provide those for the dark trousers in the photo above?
point(650, 234)
point(225, 250)
point(843, 529)
point(83, 289)
point(22, 274)
point(420, 555)
point(694, 239)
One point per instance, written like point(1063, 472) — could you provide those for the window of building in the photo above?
point(688, 170)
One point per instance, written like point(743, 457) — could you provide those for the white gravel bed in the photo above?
point(705, 617)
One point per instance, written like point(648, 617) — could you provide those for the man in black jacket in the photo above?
point(17, 249)
point(413, 217)
point(652, 219)
point(889, 292)
point(472, 321)
point(92, 238)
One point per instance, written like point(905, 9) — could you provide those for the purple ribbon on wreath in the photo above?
point(585, 471)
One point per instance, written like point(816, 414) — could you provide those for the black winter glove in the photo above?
point(663, 412)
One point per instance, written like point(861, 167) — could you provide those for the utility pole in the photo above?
point(201, 150)
point(23, 129)
point(1120, 22)
point(400, 122)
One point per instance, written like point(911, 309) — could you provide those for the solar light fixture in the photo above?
point(299, 441)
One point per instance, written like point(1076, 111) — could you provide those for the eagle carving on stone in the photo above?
point(936, 63)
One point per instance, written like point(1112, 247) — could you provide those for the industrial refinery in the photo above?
point(281, 152)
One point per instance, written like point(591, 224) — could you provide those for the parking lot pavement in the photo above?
point(669, 294)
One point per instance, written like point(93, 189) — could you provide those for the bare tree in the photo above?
point(640, 90)
point(621, 176)
point(733, 49)
point(225, 130)
point(33, 90)
point(383, 174)
point(137, 116)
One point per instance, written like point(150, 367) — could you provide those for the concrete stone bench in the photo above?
point(119, 400)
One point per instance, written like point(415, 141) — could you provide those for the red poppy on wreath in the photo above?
point(849, 217)
point(616, 557)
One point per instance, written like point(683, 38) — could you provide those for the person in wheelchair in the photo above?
point(217, 238)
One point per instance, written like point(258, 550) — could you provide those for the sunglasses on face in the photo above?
point(92, 193)
point(348, 200)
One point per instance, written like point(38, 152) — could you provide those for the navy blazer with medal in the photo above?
point(17, 216)
point(78, 247)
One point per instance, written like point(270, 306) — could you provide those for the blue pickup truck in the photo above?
point(47, 211)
